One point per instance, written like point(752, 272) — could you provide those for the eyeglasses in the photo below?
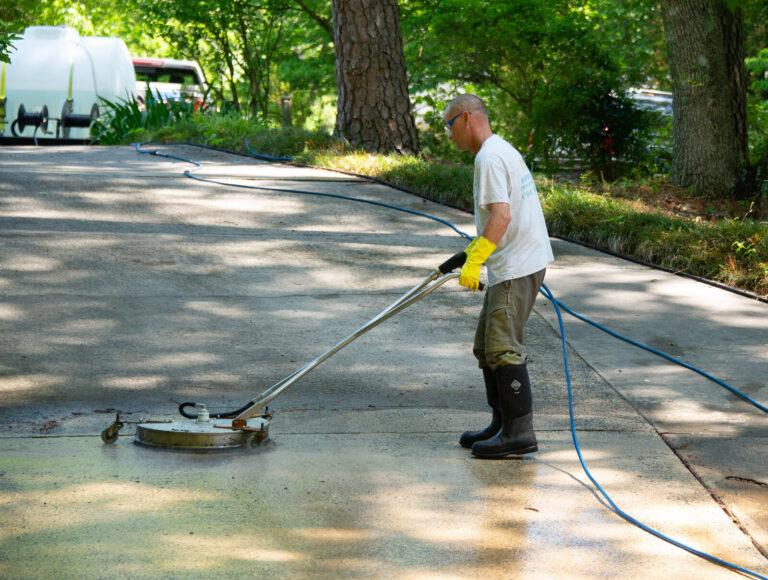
point(449, 124)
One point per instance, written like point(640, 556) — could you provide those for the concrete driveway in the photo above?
point(128, 287)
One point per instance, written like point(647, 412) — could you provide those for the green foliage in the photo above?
point(252, 52)
point(583, 119)
point(757, 67)
point(445, 182)
point(632, 32)
point(6, 42)
point(520, 39)
point(114, 18)
point(731, 251)
point(547, 73)
point(757, 108)
point(306, 68)
point(304, 146)
point(522, 56)
point(226, 131)
point(17, 15)
point(125, 120)
point(757, 114)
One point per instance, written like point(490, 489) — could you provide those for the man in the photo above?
point(514, 244)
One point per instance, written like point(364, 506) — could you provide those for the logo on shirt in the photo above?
point(527, 186)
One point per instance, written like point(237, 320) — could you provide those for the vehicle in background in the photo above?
point(59, 76)
point(169, 79)
point(652, 100)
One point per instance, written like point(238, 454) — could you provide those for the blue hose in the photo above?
point(264, 156)
point(706, 375)
point(576, 445)
point(332, 195)
point(299, 191)
point(558, 305)
point(161, 154)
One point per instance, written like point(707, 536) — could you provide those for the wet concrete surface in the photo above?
point(351, 506)
point(719, 437)
point(129, 287)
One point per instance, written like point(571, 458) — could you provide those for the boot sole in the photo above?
point(499, 454)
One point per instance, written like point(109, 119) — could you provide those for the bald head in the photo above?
point(466, 120)
point(467, 102)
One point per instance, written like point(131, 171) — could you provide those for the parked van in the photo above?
point(169, 79)
point(55, 81)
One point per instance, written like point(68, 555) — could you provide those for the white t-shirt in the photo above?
point(501, 176)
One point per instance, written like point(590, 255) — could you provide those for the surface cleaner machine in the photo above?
point(248, 426)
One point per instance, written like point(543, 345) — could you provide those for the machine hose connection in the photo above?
point(112, 433)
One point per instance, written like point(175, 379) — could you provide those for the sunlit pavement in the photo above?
point(128, 287)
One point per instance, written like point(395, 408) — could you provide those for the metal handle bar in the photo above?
point(413, 295)
point(252, 408)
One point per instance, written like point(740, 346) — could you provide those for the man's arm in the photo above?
point(483, 246)
point(498, 222)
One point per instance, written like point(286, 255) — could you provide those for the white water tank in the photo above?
point(54, 67)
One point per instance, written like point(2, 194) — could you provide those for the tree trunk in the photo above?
point(373, 110)
point(705, 46)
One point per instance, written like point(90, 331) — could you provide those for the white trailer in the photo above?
point(53, 85)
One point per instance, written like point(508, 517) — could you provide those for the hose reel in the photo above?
point(39, 120)
point(36, 119)
point(70, 119)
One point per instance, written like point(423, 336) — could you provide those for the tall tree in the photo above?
point(706, 56)
point(373, 107)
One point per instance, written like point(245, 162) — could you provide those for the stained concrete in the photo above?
point(128, 287)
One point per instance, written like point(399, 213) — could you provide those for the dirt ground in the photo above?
point(679, 202)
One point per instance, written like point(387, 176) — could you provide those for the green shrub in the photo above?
point(584, 121)
point(125, 120)
point(731, 251)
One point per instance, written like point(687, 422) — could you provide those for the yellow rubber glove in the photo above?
point(477, 253)
point(471, 245)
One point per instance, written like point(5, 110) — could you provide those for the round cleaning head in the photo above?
point(199, 434)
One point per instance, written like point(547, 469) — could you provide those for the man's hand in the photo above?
point(477, 253)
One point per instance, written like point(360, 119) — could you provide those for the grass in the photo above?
point(730, 251)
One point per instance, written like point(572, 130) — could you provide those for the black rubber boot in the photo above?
point(468, 438)
point(516, 436)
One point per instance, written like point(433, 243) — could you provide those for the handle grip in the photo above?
point(456, 261)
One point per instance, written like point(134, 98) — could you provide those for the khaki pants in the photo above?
point(506, 307)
